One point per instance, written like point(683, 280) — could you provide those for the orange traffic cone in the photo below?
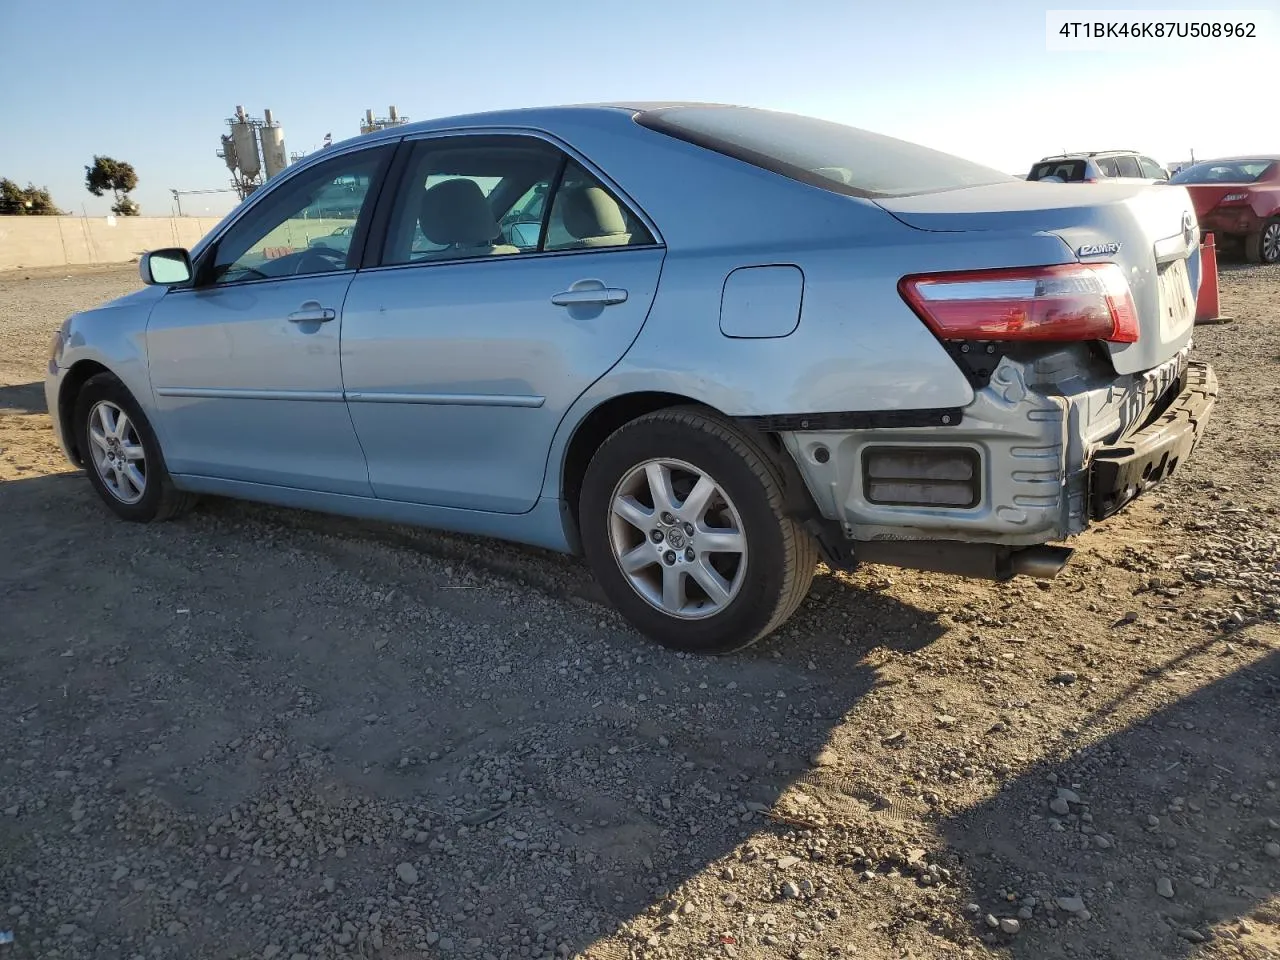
point(1207, 306)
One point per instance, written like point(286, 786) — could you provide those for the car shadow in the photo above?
point(622, 790)
point(1174, 792)
point(23, 398)
point(592, 781)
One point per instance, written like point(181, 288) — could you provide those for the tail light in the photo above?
point(1089, 180)
point(1076, 301)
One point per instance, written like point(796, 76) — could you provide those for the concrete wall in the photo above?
point(63, 241)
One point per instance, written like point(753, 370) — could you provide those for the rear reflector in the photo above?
point(1067, 302)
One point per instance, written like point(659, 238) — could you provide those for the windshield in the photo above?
point(1223, 171)
point(823, 154)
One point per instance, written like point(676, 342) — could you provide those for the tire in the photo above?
point(99, 406)
point(1264, 246)
point(758, 588)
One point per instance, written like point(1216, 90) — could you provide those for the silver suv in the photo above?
point(1098, 165)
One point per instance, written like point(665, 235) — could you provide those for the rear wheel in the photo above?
point(122, 455)
point(1264, 246)
point(682, 523)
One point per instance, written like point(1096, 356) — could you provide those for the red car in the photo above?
point(1238, 199)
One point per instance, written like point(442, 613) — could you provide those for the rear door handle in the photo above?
point(312, 312)
point(593, 294)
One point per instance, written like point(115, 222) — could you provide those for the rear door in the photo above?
point(492, 307)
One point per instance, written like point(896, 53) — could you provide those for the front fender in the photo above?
point(112, 337)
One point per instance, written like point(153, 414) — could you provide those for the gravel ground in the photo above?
point(266, 733)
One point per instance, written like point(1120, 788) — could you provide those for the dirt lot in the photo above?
point(264, 733)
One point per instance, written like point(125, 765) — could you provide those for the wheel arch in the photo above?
point(73, 382)
point(609, 415)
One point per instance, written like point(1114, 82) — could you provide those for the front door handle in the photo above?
point(312, 312)
point(589, 291)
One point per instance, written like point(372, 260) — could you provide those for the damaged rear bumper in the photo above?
point(1024, 467)
point(1122, 471)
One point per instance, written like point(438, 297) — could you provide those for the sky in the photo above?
point(152, 84)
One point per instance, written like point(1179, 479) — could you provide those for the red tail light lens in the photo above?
point(1077, 301)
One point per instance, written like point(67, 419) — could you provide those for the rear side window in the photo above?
point(829, 155)
point(1128, 167)
point(1108, 166)
point(1067, 170)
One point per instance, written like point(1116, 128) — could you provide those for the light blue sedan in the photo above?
point(702, 345)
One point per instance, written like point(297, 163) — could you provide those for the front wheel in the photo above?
point(683, 526)
point(1264, 246)
point(122, 455)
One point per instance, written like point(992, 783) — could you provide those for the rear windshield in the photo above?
point(1223, 171)
point(823, 154)
point(1066, 170)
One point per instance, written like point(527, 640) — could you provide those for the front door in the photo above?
point(245, 364)
point(489, 315)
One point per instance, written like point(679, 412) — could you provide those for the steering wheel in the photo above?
point(329, 259)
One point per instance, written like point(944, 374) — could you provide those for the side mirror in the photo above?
point(525, 233)
point(165, 267)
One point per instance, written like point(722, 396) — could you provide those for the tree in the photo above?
point(16, 201)
point(118, 177)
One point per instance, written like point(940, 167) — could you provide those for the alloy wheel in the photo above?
point(1271, 243)
point(678, 538)
point(117, 452)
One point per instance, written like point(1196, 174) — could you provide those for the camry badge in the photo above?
point(1098, 249)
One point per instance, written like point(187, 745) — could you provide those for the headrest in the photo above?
point(590, 212)
point(456, 211)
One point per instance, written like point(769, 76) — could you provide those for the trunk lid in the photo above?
point(1150, 231)
point(1206, 196)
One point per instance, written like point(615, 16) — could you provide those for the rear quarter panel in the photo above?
point(858, 347)
point(1266, 200)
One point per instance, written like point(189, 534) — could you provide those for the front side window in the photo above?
point(305, 226)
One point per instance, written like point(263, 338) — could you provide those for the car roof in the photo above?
point(1243, 158)
point(526, 116)
point(1085, 154)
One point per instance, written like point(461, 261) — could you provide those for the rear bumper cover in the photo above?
point(1122, 471)
point(1050, 462)
point(1230, 222)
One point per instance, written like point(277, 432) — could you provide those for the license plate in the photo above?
point(1177, 305)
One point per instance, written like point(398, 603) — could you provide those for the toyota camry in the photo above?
point(704, 346)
